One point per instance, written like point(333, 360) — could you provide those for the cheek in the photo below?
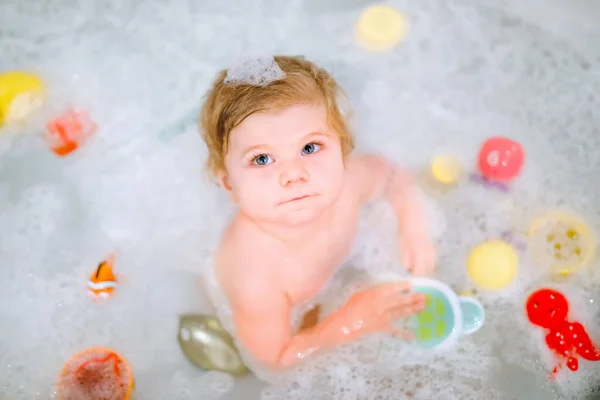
point(253, 187)
point(327, 171)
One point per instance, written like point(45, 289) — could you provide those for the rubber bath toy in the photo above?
point(446, 318)
point(96, 373)
point(208, 346)
point(493, 265)
point(446, 169)
point(69, 131)
point(21, 94)
point(380, 28)
point(568, 340)
point(501, 159)
point(102, 282)
point(562, 242)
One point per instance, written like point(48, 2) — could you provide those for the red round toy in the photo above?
point(501, 159)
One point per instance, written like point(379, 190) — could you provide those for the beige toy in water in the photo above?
point(208, 346)
point(21, 94)
point(493, 265)
point(380, 28)
point(562, 243)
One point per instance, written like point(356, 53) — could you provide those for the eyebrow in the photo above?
point(317, 134)
point(252, 148)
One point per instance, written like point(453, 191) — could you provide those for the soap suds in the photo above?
point(466, 71)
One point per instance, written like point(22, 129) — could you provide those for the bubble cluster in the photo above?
point(466, 70)
point(254, 71)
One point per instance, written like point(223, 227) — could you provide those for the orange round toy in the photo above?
point(96, 373)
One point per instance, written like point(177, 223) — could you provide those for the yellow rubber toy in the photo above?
point(446, 169)
point(21, 94)
point(380, 28)
point(493, 265)
point(562, 242)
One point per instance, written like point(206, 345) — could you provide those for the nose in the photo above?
point(292, 173)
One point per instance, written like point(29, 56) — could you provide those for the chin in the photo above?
point(300, 216)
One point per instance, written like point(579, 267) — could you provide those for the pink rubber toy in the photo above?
point(501, 159)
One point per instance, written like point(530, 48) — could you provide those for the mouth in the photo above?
point(297, 199)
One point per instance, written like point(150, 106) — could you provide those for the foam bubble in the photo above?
point(259, 71)
point(217, 383)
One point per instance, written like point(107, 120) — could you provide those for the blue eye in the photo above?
point(262, 159)
point(311, 148)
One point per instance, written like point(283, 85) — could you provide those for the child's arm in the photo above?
point(262, 320)
point(375, 177)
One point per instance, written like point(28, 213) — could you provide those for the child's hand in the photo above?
point(376, 309)
point(418, 252)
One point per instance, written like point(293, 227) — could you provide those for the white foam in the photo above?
point(259, 71)
point(467, 70)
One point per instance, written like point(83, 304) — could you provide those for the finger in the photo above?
point(425, 264)
point(399, 313)
point(400, 333)
point(417, 267)
point(410, 301)
point(394, 288)
point(429, 260)
point(405, 249)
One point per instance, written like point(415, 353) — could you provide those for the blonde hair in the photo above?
point(227, 105)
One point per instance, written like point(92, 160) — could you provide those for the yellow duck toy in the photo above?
point(21, 94)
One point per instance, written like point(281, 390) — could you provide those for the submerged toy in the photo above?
point(208, 346)
point(509, 237)
point(562, 242)
point(493, 265)
point(446, 317)
point(446, 169)
point(21, 94)
point(503, 187)
point(102, 282)
point(380, 28)
point(501, 159)
point(97, 373)
point(69, 131)
point(568, 340)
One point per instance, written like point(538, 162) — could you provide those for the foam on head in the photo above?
point(256, 71)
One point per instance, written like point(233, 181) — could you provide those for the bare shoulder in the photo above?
point(366, 164)
point(241, 266)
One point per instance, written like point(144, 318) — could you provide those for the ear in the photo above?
point(223, 180)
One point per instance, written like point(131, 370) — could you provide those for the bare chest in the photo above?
point(308, 269)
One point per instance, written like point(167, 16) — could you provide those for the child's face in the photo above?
point(284, 166)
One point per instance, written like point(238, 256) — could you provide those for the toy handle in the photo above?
point(473, 315)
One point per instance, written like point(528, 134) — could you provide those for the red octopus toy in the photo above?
point(548, 309)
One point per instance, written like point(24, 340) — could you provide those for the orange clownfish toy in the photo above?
point(102, 282)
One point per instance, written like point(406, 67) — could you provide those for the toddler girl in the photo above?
point(279, 144)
